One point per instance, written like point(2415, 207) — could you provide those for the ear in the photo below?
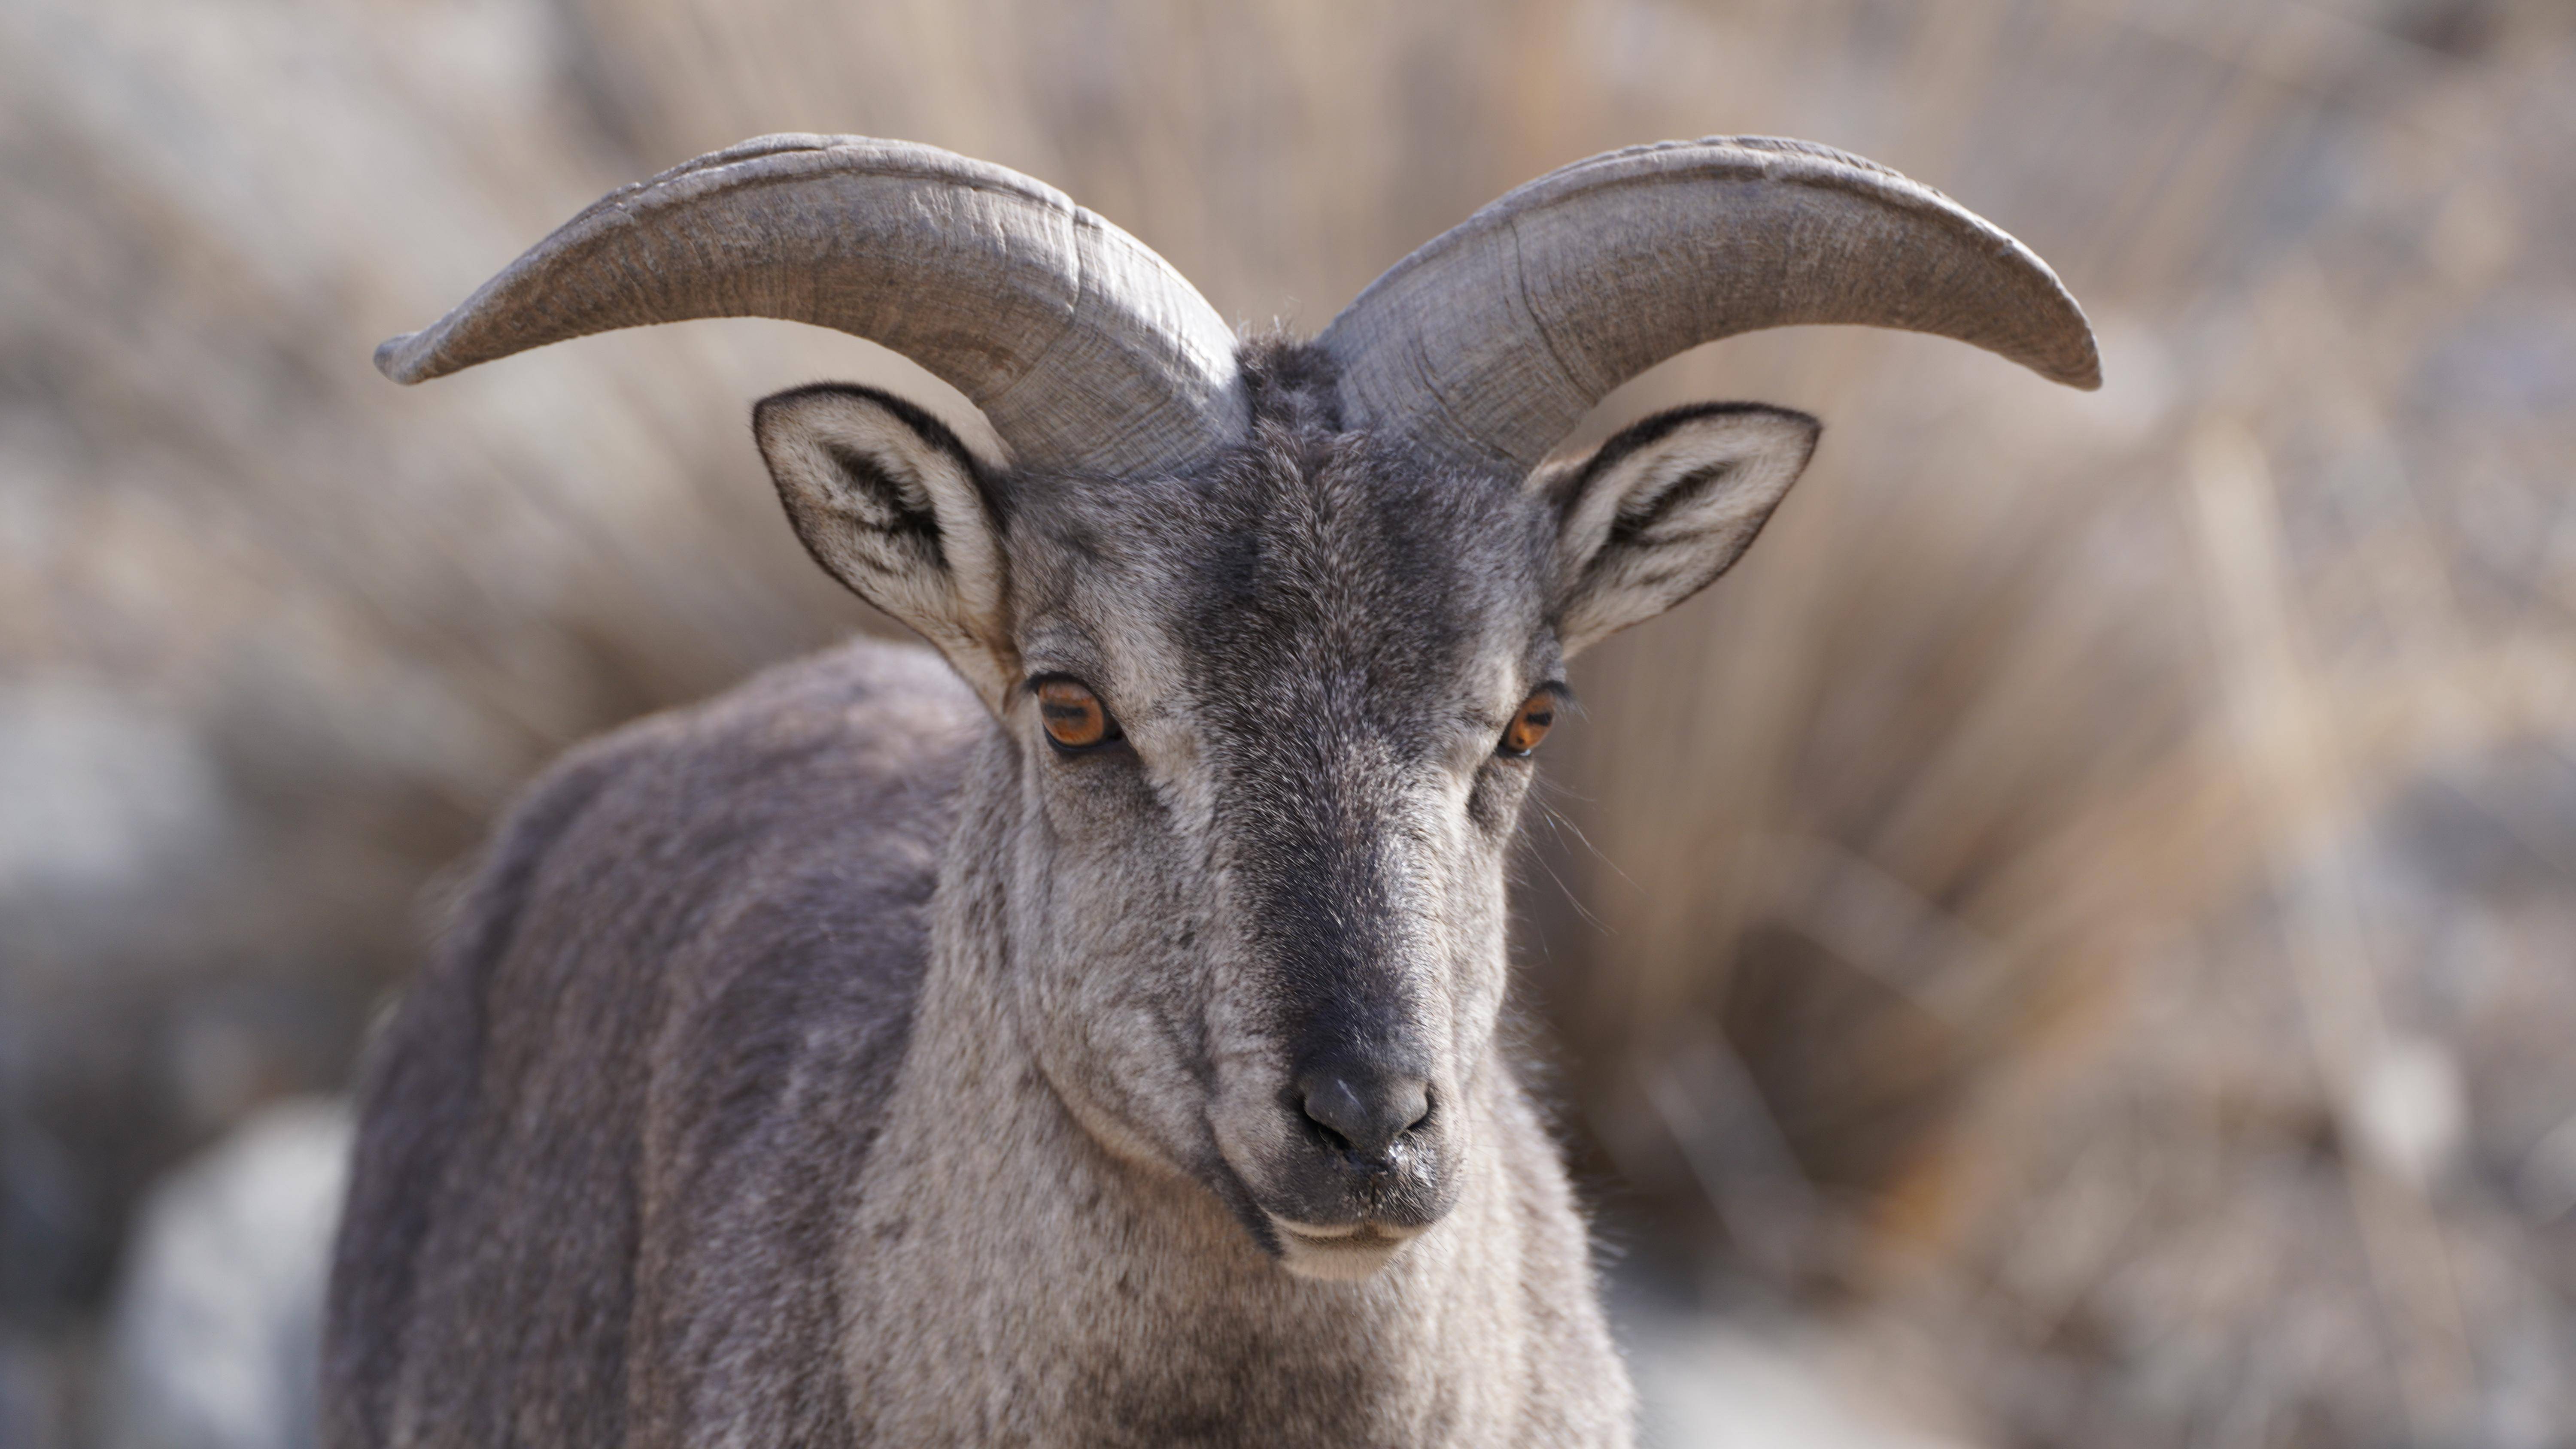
point(1658, 512)
point(890, 503)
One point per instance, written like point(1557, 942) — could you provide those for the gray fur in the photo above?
point(839, 1063)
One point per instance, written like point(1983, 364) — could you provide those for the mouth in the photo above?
point(1338, 1252)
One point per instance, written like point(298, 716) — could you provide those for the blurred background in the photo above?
point(2072, 943)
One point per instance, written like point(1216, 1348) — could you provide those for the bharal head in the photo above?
point(1274, 632)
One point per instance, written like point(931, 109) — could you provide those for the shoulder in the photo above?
point(865, 708)
point(814, 798)
point(666, 1014)
point(868, 735)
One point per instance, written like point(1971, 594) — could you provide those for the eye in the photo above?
point(1529, 724)
point(1074, 718)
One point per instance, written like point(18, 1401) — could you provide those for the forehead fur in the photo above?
point(1309, 559)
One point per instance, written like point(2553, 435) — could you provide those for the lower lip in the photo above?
point(1349, 1235)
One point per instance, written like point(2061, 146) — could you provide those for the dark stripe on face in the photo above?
point(1317, 855)
point(1327, 623)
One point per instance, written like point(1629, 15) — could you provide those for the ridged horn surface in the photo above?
point(1489, 343)
point(1085, 350)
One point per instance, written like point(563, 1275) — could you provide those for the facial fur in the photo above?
point(1258, 932)
point(1294, 864)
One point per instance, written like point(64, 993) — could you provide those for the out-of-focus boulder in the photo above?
point(1716, 1380)
point(215, 1334)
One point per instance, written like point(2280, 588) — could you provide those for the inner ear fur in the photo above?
point(1663, 508)
point(890, 503)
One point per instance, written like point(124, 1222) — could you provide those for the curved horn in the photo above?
point(1084, 349)
point(1489, 343)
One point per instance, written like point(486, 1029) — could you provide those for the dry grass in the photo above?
point(2094, 890)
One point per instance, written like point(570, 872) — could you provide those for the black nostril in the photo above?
point(1365, 1111)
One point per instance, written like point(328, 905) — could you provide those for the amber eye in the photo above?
point(1530, 723)
point(1074, 717)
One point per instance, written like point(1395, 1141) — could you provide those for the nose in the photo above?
point(1362, 1108)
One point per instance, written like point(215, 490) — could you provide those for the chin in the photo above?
point(1342, 1254)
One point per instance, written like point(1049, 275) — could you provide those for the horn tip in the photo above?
point(403, 359)
point(2084, 373)
point(2068, 356)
